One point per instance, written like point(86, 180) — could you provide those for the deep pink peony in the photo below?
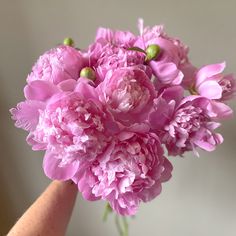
point(57, 65)
point(130, 171)
point(186, 123)
point(211, 83)
point(128, 94)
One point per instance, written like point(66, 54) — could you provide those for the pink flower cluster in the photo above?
point(105, 115)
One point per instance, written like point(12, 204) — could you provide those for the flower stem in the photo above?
point(126, 226)
point(122, 226)
point(107, 211)
point(118, 226)
point(120, 221)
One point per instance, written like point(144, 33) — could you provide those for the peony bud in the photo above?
point(152, 52)
point(68, 42)
point(88, 72)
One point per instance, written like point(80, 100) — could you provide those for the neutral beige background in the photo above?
point(201, 197)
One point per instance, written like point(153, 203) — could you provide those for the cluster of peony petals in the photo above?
point(105, 115)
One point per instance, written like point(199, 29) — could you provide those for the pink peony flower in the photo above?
point(128, 94)
point(57, 65)
point(173, 55)
point(130, 171)
point(212, 84)
point(37, 94)
point(72, 128)
point(186, 124)
point(73, 124)
point(104, 57)
point(172, 49)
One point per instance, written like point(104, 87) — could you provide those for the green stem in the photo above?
point(122, 226)
point(107, 211)
point(126, 226)
point(118, 226)
point(120, 221)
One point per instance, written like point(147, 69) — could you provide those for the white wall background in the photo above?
point(200, 199)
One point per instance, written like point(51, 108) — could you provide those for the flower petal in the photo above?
point(220, 110)
point(26, 114)
point(54, 170)
point(39, 90)
point(210, 89)
point(209, 71)
point(67, 85)
point(167, 73)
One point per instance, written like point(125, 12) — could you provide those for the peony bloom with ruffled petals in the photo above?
point(128, 94)
point(73, 124)
point(211, 83)
point(129, 172)
point(107, 57)
point(187, 123)
point(57, 65)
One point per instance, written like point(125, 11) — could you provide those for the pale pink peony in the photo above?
point(130, 171)
point(128, 94)
point(211, 83)
point(57, 65)
point(184, 124)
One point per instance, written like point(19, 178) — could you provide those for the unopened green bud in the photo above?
point(68, 42)
point(152, 52)
point(88, 72)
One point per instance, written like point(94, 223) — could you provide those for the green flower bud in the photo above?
point(68, 42)
point(88, 72)
point(152, 52)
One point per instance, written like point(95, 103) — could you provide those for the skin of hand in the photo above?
point(50, 213)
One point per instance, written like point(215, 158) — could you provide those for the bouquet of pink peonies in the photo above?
point(106, 115)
